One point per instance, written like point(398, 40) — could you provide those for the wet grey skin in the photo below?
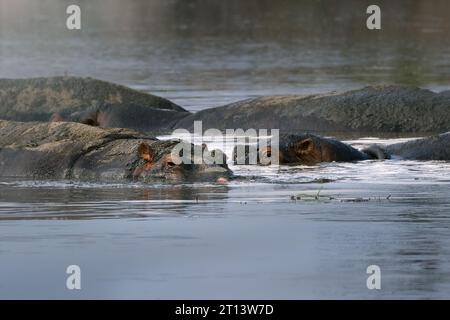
point(380, 110)
point(63, 150)
point(130, 115)
point(86, 100)
point(309, 149)
point(430, 148)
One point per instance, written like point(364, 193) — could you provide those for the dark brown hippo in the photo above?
point(87, 100)
point(64, 150)
point(309, 149)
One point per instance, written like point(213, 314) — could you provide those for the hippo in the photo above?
point(435, 147)
point(131, 116)
point(88, 101)
point(309, 149)
point(66, 150)
point(380, 110)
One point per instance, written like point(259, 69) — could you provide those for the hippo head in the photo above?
point(292, 149)
point(309, 149)
point(302, 149)
point(176, 160)
point(306, 149)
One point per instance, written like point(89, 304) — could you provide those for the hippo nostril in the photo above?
point(171, 164)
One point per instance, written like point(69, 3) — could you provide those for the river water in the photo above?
point(275, 232)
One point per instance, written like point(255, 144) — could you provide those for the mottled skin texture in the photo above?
point(371, 110)
point(379, 109)
point(62, 150)
point(83, 100)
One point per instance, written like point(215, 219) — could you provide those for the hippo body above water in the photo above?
point(131, 116)
point(73, 150)
point(62, 150)
point(430, 148)
point(380, 110)
point(308, 149)
point(86, 100)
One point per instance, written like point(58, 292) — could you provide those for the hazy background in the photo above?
point(206, 53)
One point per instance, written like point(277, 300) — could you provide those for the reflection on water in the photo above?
point(274, 232)
point(68, 200)
point(292, 232)
point(202, 54)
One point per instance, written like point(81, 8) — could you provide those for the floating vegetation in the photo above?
point(319, 180)
point(305, 197)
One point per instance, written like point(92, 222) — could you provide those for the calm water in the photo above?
point(273, 233)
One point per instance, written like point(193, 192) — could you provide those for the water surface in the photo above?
point(275, 232)
point(202, 54)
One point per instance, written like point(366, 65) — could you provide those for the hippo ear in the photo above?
point(56, 117)
point(305, 145)
point(90, 119)
point(90, 122)
point(145, 152)
point(267, 152)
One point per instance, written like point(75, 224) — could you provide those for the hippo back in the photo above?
point(43, 99)
point(430, 148)
point(49, 150)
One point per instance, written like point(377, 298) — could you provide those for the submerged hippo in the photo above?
point(62, 150)
point(86, 100)
point(311, 149)
point(430, 148)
